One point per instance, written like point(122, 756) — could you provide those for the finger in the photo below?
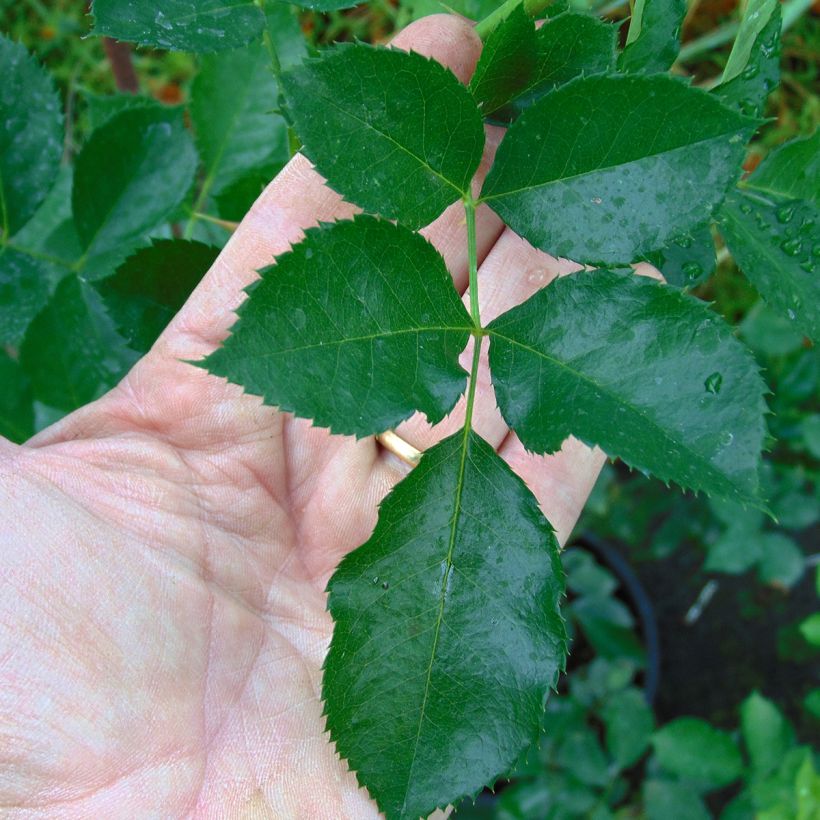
point(512, 271)
point(561, 481)
point(299, 198)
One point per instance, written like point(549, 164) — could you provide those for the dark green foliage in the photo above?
point(152, 285)
point(16, 413)
point(771, 226)
point(566, 47)
point(774, 241)
point(31, 136)
point(701, 423)
point(425, 700)
point(356, 328)
point(753, 69)
point(653, 41)
point(409, 132)
point(616, 191)
point(24, 290)
point(71, 352)
point(236, 132)
point(130, 176)
point(184, 25)
point(508, 61)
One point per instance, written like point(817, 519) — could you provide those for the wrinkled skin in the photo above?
point(165, 551)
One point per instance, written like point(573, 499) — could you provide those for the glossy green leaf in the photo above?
point(648, 373)
point(753, 67)
point(774, 241)
point(581, 754)
point(792, 170)
point(607, 169)
point(16, 409)
point(181, 25)
point(629, 722)
point(71, 352)
point(687, 260)
point(664, 800)
point(447, 633)
point(357, 327)
point(131, 174)
point(568, 46)
point(236, 131)
point(25, 285)
point(392, 131)
point(653, 40)
point(693, 750)
point(507, 63)
point(766, 732)
point(31, 139)
point(152, 285)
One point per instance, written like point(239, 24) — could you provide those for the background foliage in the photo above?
point(730, 588)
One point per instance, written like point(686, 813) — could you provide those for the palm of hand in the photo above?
point(162, 614)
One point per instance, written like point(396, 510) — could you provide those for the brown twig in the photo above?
point(119, 55)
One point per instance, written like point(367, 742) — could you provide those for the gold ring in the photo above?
point(400, 448)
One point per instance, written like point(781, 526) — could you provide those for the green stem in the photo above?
point(472, 261)
point(472, 267)
point(532, 7)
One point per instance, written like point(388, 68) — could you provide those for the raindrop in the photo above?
point(385, 585)
point(791, 314)
point(537, 276)
point(792, 246)
point(745, 208)
point(727, 438)
point(713, 382)
point(785, 213)
point(596, 200)
point(376, 580)
point(692, 269)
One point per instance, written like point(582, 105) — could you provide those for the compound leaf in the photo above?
point(151, 286)
point(236, 132)
point(356, 327)
point(774, 239)
point(182, 25)
point(16, 409)
point(695, 751)
point(131, 174)
point(653, 40)
point(568, 46)
point(507, 63)
point(71, 352)
point(753, 67)
point(648, 373)
point(447, 632)
point(31, 136)
point(619, 164)
point(392, 131)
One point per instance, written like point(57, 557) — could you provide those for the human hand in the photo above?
point(166, 550)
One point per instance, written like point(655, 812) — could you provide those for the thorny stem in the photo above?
point(472, 266)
